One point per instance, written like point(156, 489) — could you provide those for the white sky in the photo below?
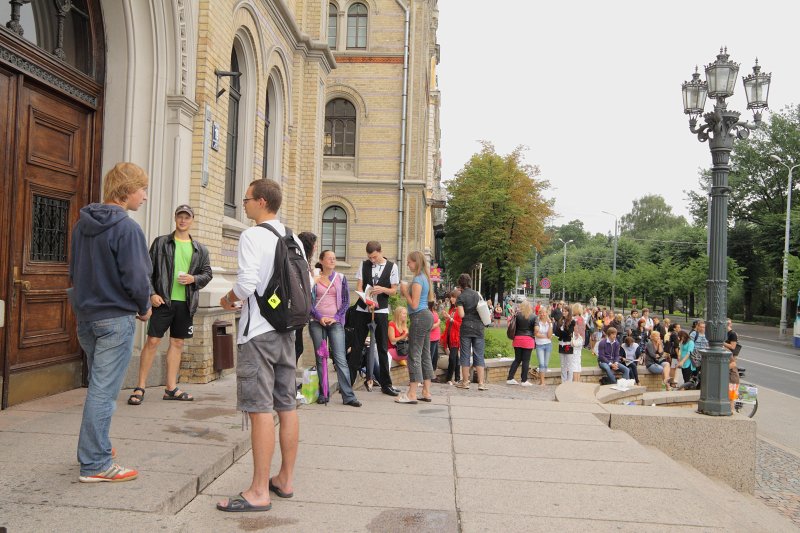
point(594, 89)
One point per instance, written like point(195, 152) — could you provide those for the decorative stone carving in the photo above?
point(37, 72)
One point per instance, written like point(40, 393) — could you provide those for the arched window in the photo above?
point(340, 128)
point(333, 23)
point(334, 231)
point(357, 26)
point(232, 146)
point(273, 128)
point(58, 27)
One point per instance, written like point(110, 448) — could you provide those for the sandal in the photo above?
point(405, 399)
point(239, 504)
point(177, 394)
point(136, 399)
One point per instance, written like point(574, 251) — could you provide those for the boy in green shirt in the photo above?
point(180, 269)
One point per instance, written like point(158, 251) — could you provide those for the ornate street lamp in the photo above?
point(721, 128)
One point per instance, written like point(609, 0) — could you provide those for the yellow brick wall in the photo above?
point(261, 28)
point(370, 194)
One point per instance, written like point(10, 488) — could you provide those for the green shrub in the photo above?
point(497, 343)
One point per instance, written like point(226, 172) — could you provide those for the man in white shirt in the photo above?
point(265, 367)
point(383, 276)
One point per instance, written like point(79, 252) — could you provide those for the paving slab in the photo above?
point(525, 405)
point(349, 487)
point(153, 492)
point(380, 439)
point(402, 421)
point(528, 415)
point(486, 522)
point(377, 462)
point(549, 470)
point(57, 517)
point(596, 432)
point(574, 500)
point(293, 516)
point(537, 447)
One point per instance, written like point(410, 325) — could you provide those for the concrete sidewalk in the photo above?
point(470, 461)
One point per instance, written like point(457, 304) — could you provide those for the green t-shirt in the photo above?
point(183, 258)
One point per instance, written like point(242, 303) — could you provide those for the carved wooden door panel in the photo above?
point(53, 161)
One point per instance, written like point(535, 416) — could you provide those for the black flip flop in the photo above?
point(182, 397)
point(135, 399)
point(424, 399)
point(238, 504)
point(278, 492)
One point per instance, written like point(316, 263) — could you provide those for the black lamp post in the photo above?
point(721, 128)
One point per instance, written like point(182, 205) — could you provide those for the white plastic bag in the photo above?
point(310, 387)
point(484, 312)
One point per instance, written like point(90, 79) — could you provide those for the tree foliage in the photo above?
point(757, 207)
point(650, 213)
point(495, 213)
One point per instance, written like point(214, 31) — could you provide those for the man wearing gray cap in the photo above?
point(180, 269)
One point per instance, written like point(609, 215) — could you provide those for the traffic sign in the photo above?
point(545, 283)
point(544, 292)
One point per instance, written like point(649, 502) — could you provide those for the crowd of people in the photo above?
point(117, 281)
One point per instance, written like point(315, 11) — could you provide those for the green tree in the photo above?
point(495, 213)
point(757, 206)
point(650, 214)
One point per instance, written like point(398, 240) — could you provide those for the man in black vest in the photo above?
point(384, 278)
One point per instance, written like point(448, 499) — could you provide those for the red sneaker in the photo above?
point(115, 473)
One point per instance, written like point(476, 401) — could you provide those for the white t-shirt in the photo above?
point(256, 262)
point(377, 271)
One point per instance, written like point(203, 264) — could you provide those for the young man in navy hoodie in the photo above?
point(110, 270)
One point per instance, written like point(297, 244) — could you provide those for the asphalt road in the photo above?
point(770, 363)
point(774, 366)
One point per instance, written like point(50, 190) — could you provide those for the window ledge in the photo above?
point(232, 228)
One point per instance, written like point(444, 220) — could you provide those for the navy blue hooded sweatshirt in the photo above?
point(110, 266)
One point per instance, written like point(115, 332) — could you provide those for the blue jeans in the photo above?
point(419, 346)
point(610, 373)
point(334, 334)
point(472, 346)
point(543, 355)
point(108, 344)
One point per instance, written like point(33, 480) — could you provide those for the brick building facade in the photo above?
point(205, 95)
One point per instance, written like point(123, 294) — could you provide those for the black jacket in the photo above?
point(162, 256)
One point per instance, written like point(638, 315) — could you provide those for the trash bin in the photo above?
point(222, 343)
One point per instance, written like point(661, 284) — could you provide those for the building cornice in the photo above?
point(312, 49)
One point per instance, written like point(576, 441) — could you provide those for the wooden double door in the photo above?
point(49, 161)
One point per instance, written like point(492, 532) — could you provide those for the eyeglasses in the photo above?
point(245, 200)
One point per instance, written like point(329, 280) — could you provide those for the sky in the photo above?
point(593, 89)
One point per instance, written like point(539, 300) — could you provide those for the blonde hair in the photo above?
point(577, 309)
point(396, 317)
point(525, 309)
point(422, 268)
point(123, 180)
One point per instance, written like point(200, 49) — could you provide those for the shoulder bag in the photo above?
point(511, 331)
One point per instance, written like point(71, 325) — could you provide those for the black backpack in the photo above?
point(286, 301)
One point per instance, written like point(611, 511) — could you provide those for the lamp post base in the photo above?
point(714, 399)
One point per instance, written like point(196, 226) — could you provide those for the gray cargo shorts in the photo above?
point(265, 373)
